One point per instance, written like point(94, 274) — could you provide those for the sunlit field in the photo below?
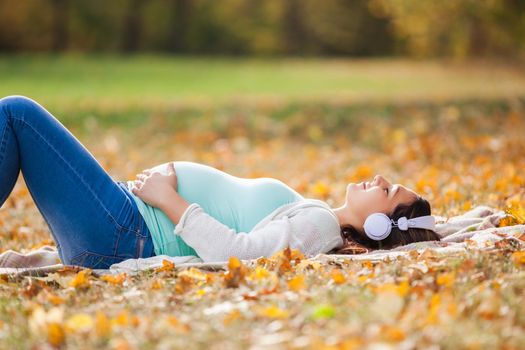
point(454, 132)
point(122, 82)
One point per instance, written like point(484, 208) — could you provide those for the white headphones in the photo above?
point(378, 225)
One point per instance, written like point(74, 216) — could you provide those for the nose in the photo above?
point(380, 179)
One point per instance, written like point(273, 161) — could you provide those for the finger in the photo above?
point(141, 176)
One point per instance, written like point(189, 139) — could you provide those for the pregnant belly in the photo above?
point(237, 202)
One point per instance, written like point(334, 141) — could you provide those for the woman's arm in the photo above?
point(160, 191)
point(215, 242)
point(174, 206)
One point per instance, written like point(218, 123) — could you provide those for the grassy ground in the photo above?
point(122, 82)
point(458, 140)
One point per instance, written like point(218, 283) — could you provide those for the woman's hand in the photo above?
point(155, 188)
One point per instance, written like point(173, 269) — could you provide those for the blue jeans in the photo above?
point(93, 219)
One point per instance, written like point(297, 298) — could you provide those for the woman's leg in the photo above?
point(93, 219)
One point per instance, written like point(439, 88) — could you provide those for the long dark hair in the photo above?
point(358, 243)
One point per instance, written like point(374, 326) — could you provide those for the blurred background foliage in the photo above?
point(416, 28)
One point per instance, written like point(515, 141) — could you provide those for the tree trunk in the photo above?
point(294, 30)
point(60, 24)
point(179, 26)
point(132, 26)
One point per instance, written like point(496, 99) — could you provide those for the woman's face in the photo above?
point(378, 196)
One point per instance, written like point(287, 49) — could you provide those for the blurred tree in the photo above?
point(295, 35)
point(132, 25)
point(60, 25)
point(97, 25)
point(461, 28)
point(25, 25)
point(344, 27)
point(180, 12)
point(426, 28)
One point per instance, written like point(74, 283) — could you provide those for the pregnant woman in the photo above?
point(185, 208)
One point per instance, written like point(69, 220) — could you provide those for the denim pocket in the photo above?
point(95, 260)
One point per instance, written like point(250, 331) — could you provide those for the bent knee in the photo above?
point(10, 104)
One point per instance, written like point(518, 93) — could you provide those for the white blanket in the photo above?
point(475, 229)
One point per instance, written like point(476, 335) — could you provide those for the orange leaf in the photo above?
point(81, 279)
point(273, 312)
point(102, 325)
point(115, 279)
point(55, 334)
point(236, 273)
point(296, 283)
point(166, 266)
point(338, 277)
point(518, 258)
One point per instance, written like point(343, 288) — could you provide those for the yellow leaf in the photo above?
point(402, 289)
point(433, 309)
point(184, 283)
point(230, 317)
point(195, 274)
point(122, 344)
point(393, 333)
point(273, 312)
point(55, 334)
point(363, 278)
point(321, 189)
point(166, 266)
point(516, 209)
point(259, 273)
point(296, 283)
point(79, 323)
point(518, 258)
point(368, 264)
point(200, 292)
point(172, 320)
point(122, 319)
point(157, 283)
point(338, 277)
point(234, 263)
point(308, 265)
point(446, 279)
point(102, 325)
point(236, 273)
point(55, 299)
point(399, 135)
point(362, 172)
point(81, 279)
point(115, 279)
point(174, 323)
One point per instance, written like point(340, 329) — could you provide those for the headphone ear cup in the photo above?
point(377, 226)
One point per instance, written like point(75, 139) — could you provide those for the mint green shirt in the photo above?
point(239, 203)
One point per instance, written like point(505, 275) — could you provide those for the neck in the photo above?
point(344, 217)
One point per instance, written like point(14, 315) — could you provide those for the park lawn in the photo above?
point(458, 152)
point(114, 82)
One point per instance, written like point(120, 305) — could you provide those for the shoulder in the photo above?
point(320, 214)
point(316, 226)
point(311, 205)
